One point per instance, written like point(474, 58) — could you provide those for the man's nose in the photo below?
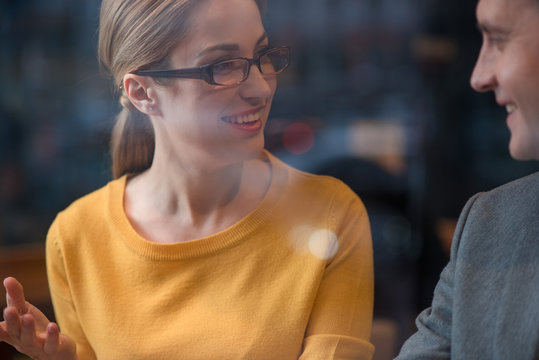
point(484, 75)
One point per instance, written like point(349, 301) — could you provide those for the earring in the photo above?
point(150, 108)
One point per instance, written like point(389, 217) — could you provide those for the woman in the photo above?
point(205, 246)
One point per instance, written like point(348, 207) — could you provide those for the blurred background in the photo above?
point(377, 95)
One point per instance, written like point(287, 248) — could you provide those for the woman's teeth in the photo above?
point(510, 108)
point(243, 118)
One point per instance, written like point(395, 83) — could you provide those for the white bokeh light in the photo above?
point(323, 244)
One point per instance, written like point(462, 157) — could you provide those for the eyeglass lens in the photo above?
point(236, 70)
point(230, 72)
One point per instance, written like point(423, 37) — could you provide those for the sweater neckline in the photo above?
point(205, 246)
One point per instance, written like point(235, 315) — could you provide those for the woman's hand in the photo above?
point(29, 331)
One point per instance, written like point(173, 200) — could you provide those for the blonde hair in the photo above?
point(139, 34)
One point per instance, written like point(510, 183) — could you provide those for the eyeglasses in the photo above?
point(230, 72)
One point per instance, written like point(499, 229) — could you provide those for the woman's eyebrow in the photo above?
point(228, 47)
point(220, 47)
point(262, 38)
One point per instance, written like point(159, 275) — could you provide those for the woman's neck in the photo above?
point(180, 189)
point(194, 201)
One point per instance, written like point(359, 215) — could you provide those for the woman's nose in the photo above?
point(257, 85)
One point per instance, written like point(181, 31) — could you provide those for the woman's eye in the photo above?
point(226, 66)
point(219, 60)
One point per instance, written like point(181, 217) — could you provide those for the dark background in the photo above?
point(377, 94)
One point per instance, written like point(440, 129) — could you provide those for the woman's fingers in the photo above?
point(4, 335)
point(15, 298)
point(13, 322)
point(28, 332)
point(21, 333)
point(52, 341)
point(15, 295)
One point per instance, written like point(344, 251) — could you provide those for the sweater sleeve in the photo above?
point(65, 312)
point(433, 337)
point(341, 318)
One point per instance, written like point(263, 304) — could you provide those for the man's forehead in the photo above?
point(499, 15)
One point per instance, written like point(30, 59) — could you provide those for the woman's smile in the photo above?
point(249, 121)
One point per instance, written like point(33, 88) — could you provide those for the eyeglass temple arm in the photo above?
point(202, 72)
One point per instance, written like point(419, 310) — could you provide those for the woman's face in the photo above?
point(216, 125)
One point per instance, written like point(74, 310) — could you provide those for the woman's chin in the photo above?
point(248, 152)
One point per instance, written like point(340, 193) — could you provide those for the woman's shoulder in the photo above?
point(317, 186)
point(95, 202)
point(85, 217)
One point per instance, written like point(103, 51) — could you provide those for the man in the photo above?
point(486, 303)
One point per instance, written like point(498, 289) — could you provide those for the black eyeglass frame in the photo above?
point(205, 72)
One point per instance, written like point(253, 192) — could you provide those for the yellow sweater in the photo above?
point(293, 279)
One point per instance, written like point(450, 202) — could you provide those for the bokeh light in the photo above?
point(323, 244)
point(298, 138)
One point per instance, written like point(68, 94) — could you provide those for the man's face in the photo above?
point(508, 65)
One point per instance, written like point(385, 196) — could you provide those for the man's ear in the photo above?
point(138, 90)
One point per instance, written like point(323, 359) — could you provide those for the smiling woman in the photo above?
point(204, 245)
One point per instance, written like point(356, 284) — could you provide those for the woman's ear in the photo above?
point(138, 90)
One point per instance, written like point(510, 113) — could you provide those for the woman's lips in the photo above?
point(243, 118)
point(250, 122)
point(250, 127)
